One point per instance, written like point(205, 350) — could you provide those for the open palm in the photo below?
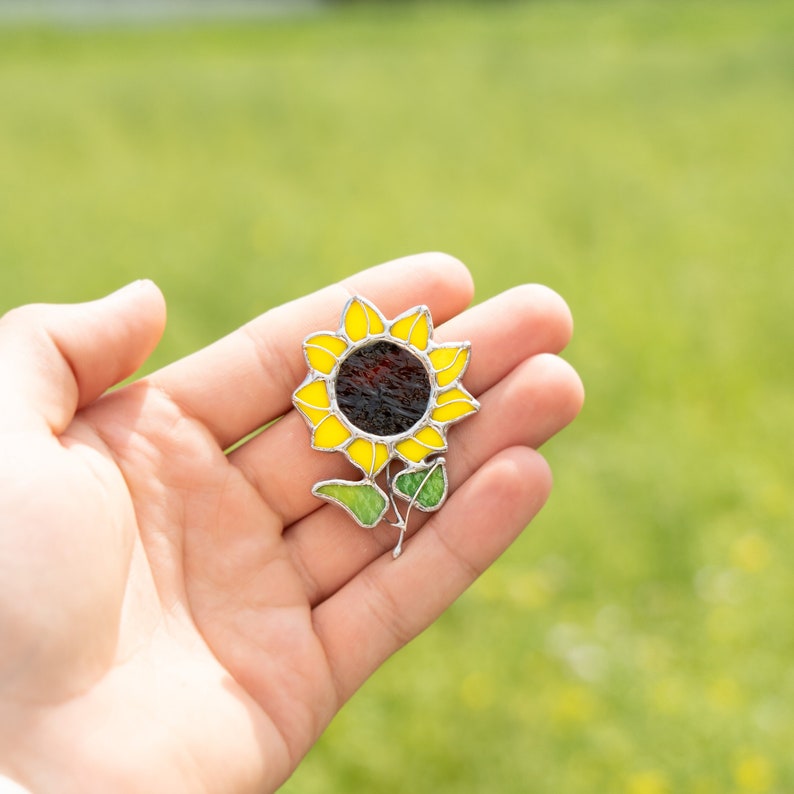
point(177, 617)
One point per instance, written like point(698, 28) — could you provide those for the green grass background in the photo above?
point(637, 157)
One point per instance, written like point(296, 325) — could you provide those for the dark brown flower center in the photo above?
point(382, 389)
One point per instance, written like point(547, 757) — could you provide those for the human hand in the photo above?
point(174, 618)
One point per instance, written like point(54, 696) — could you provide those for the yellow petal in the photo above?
point(449, 363)
point(369, 456)
point(315, 394)
point(412, 451)
point(312, 400)
point(424, 442)
point(361, 318)
point(414, 328)
point(314, 415)
point(430, 437)
point(323, 351)
point(330, 433)
point(453, 404)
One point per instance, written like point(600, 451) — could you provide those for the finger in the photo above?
point(504, 331)
point(525, 409)
point(58, 358)
point(508, 329)
point(246, 379)
point(390, 602)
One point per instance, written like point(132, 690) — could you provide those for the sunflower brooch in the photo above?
point(383, 393)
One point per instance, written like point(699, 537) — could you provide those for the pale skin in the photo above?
point(174, 618)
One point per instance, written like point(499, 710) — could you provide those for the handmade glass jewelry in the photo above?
point(383, 392)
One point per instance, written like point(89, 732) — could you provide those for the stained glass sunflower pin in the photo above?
point(383, 392)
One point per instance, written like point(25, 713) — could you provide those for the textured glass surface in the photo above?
point(432, 487)
point(364, 500)
point(383, 389)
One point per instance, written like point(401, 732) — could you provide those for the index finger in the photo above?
point(246, 379)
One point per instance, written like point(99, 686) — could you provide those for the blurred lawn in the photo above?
point(636, 156)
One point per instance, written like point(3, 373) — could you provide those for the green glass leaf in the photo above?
point(428, 486)
point(363, 499)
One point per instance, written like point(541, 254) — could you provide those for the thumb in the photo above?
point(55, 359)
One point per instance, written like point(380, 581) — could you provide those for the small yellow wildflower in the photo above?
point(751, 553)
point(753, 773)
point(648, 782)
